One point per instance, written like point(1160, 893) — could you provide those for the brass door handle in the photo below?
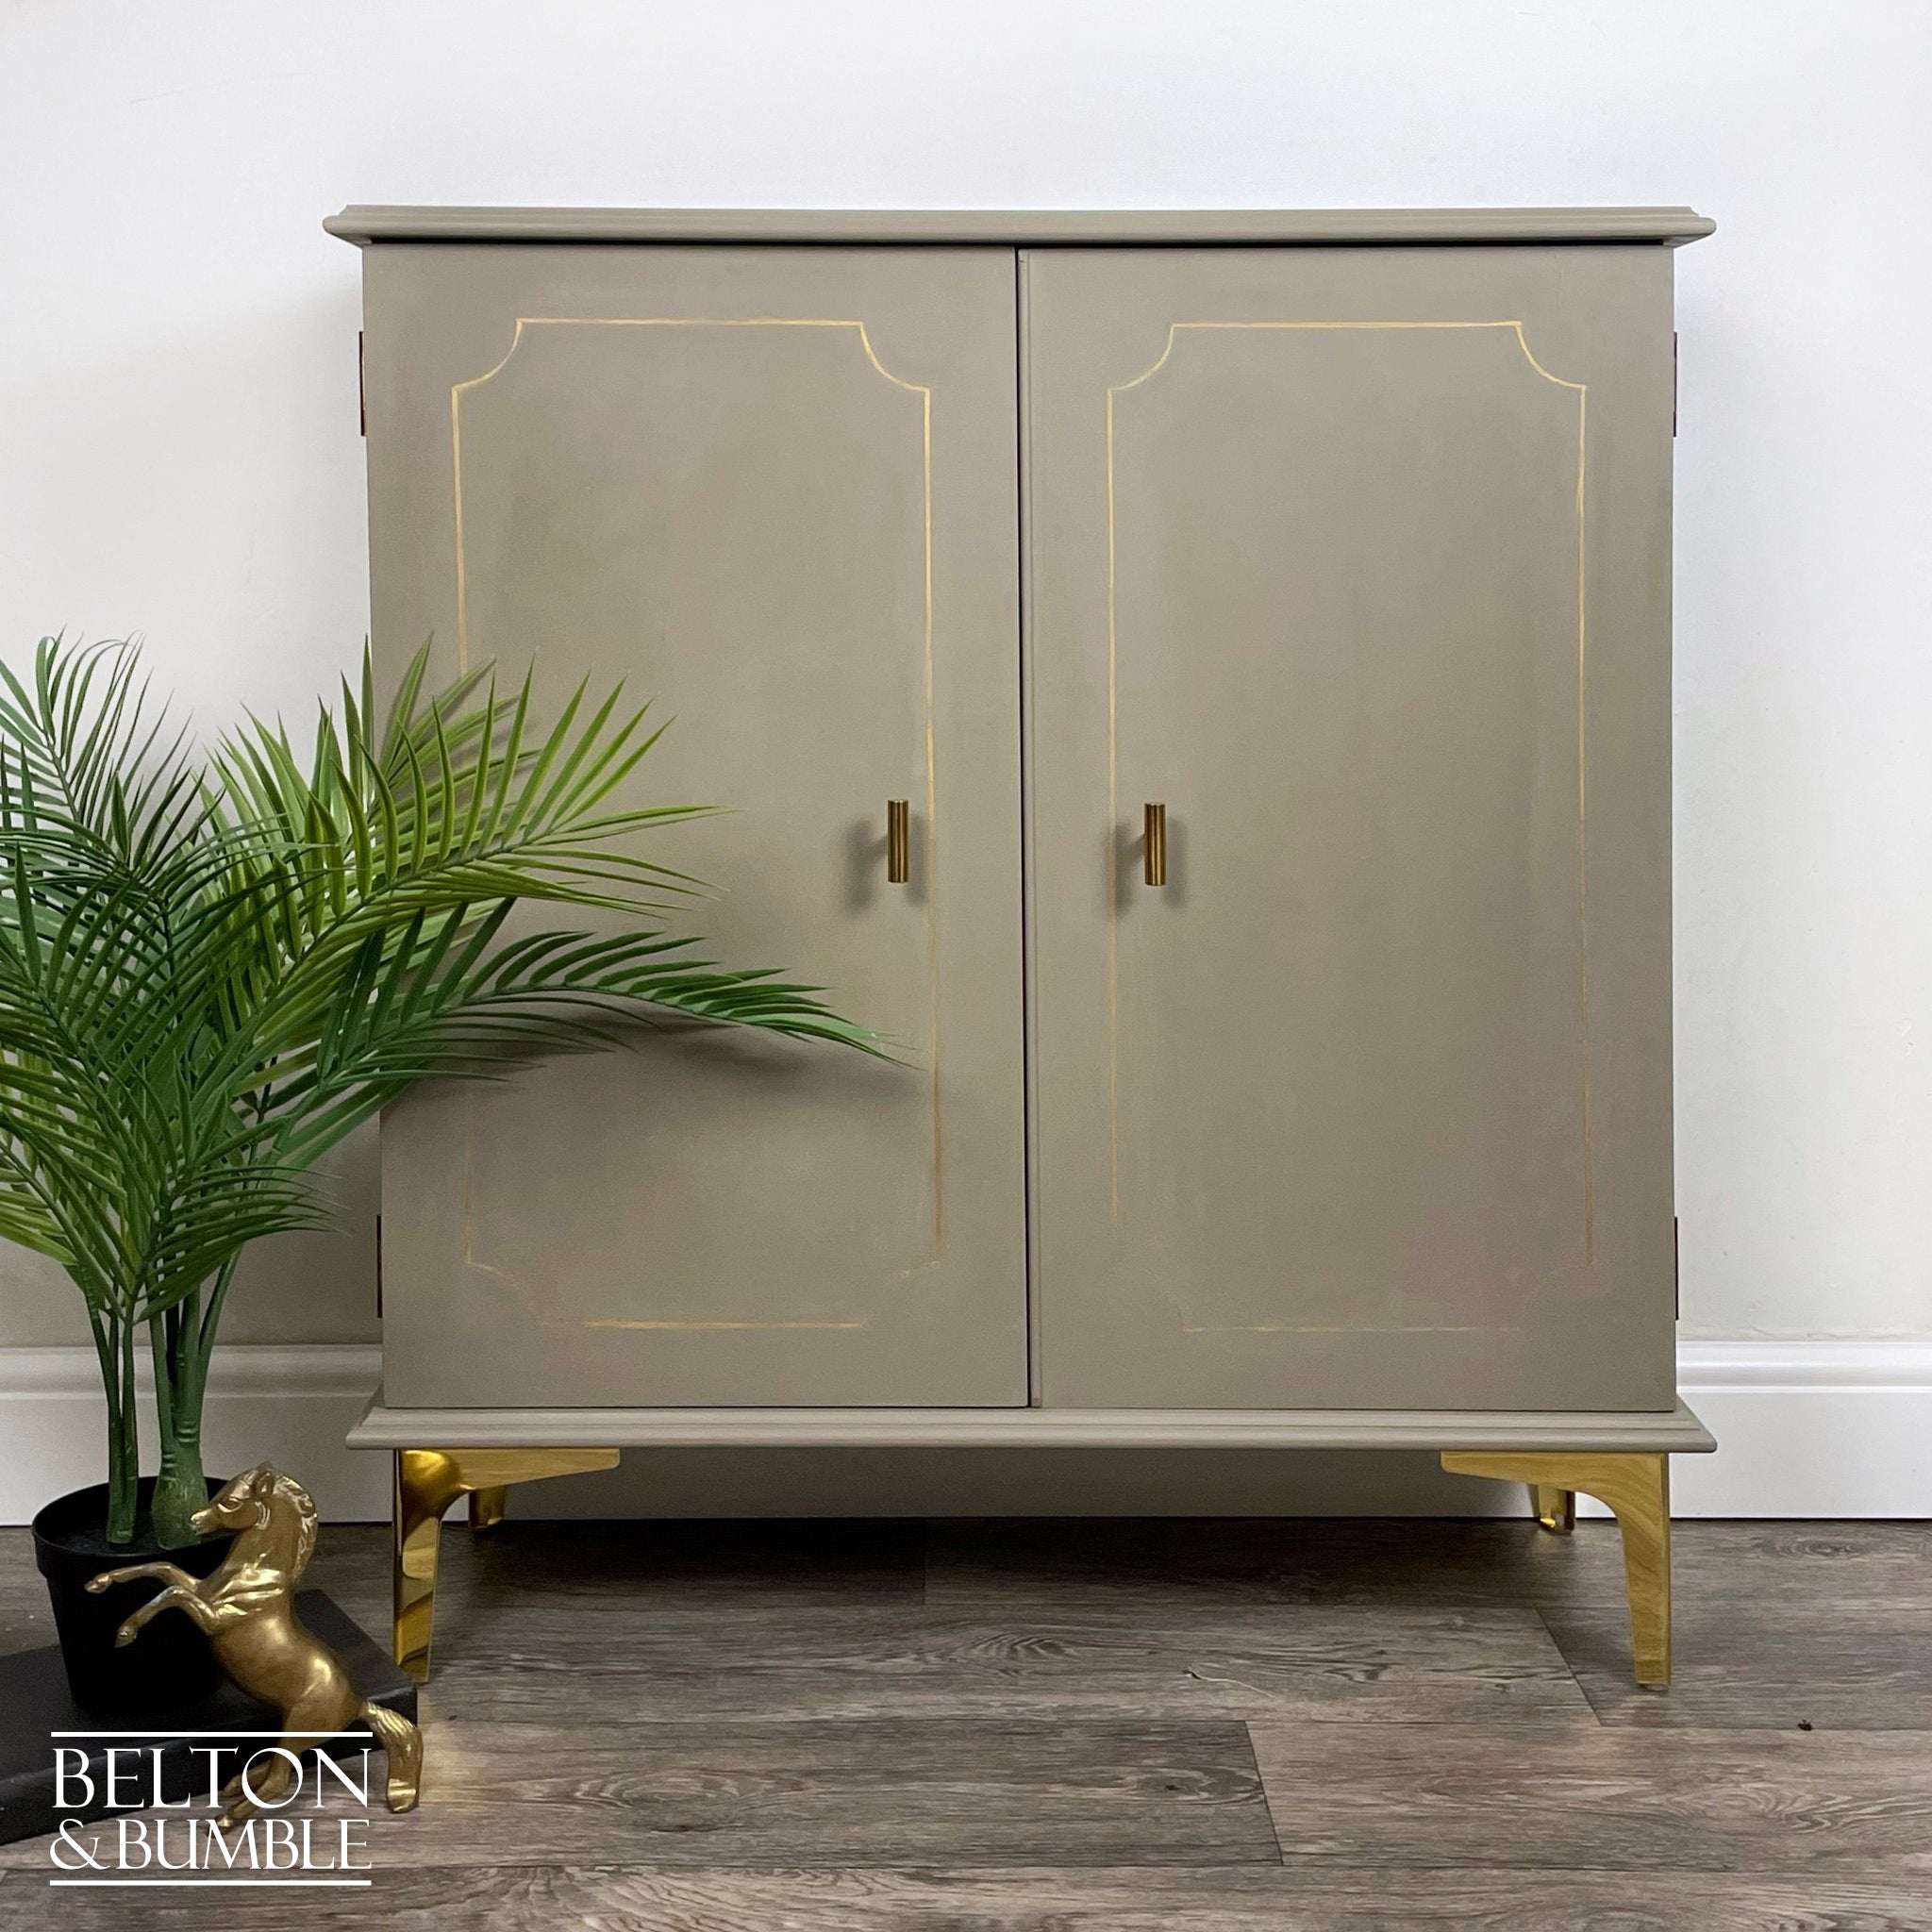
point(898, 840)
point(1156, 842)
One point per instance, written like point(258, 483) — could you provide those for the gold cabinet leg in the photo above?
point(486, 1506)
point(1555, 1507)
point(426, 1482)
point(1637, 1491)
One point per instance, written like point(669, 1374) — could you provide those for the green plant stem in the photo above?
point(204, 1339)
point(123, 1467)
point(180, 1489)
point(123, 1439)
point(197, 1345)
point(180, 1375)
point(164, 1382)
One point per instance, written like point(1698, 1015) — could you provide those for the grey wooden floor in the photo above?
point(1059, 1726)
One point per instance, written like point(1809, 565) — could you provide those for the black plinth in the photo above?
point(34, 1705)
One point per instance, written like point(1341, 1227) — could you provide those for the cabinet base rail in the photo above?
point(1674, 1431)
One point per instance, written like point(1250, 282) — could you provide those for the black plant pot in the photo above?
point(169, 1665)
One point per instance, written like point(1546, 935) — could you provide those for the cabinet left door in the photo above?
point(774, 490)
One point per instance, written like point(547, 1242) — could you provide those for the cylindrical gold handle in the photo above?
point(1157, 844)
point(898, 840)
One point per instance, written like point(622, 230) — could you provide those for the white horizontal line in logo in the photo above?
point(280, 1882)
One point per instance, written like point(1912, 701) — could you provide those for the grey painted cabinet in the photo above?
point(1345, 539)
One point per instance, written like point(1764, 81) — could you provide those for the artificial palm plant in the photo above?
point(213, 968)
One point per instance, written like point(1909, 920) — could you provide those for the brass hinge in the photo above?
point(1676, 1276)
point(363, 409)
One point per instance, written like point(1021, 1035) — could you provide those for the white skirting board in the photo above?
point(1805, 1428)
point(290, 1405)
point(1809, 1429)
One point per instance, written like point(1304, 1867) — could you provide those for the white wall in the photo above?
point(178, 448)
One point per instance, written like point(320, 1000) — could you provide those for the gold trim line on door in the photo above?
point(459, 391)
point(1581, 390)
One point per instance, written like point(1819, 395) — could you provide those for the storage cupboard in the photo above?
point(1253, 632)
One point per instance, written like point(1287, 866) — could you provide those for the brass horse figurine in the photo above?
point(245, 1611)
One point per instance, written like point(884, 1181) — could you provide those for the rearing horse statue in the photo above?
point(246, 1611)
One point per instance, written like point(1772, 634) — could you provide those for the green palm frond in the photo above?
point(212, 971)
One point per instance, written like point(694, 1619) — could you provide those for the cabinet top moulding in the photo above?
point(1092, 227)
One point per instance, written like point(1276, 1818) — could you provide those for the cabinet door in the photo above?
point(774, 490)
point(1357, 561)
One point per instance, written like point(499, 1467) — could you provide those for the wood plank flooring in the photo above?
point(1071, 1726)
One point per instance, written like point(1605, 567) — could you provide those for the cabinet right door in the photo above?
point(1357, 561)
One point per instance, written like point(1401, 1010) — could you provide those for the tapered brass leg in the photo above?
point(1637, 1491)
point(486, 1506)
point(1556, 1508)
point(426, 1482)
